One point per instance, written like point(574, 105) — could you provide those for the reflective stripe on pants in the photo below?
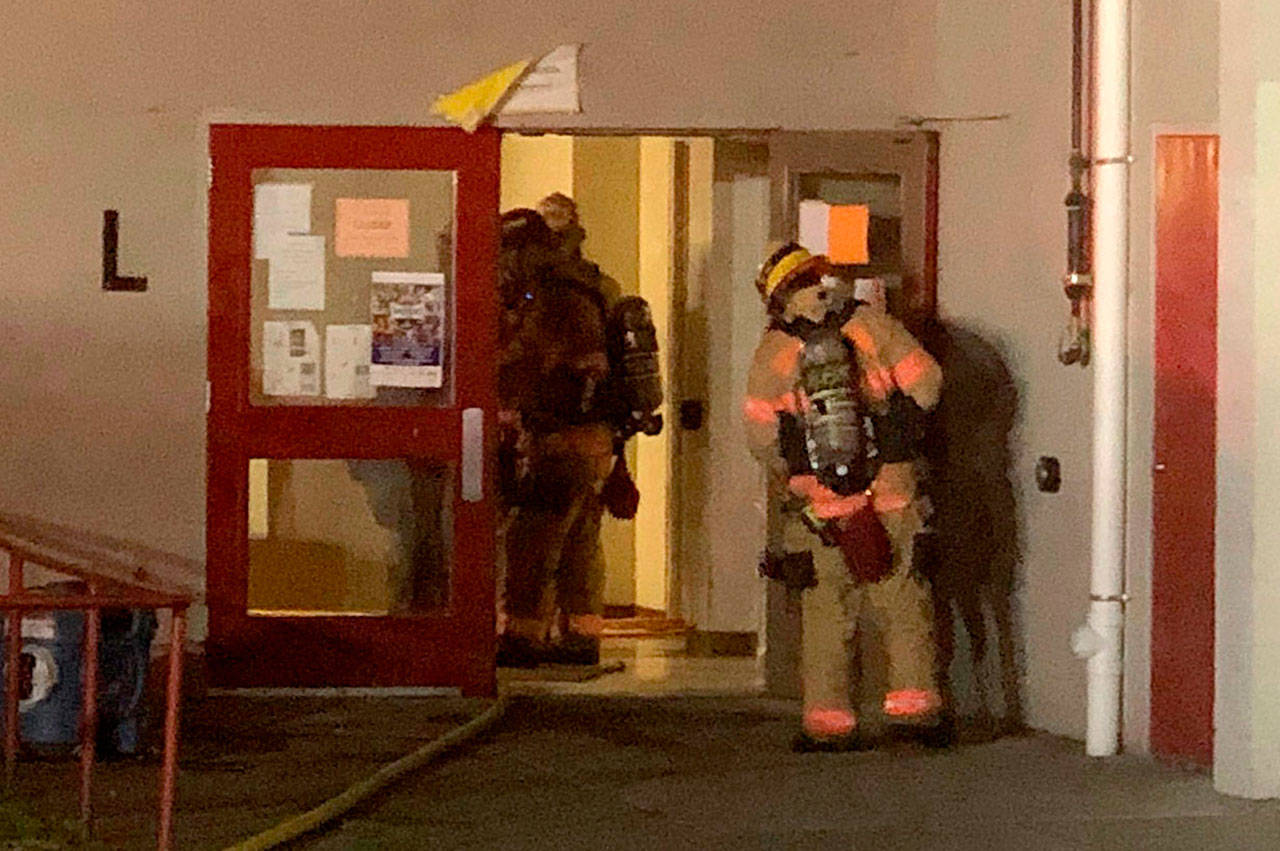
point(898, 610)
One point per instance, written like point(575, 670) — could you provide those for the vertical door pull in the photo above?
point(473, 454)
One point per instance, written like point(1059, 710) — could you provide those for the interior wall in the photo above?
point(533, 167)
point(606, 186)
point(656, 194)
point(352, 561)
point(101, 395)
point(733, 512)
point(693, 465)
point(623, 187)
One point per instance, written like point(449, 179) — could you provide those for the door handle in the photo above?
point(473, 454)
point(1159, 467)
point(691, 414)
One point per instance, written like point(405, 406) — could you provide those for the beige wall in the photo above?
point(733, 514)
point(606, 185)
point(1247, 646)
point(1002, 253)
point(353, 563)
point(101, 395)
point(533, 167)
point(657, 163)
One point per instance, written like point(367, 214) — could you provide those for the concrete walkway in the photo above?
point(673, 752)
point(244, 766)
point(601, 772)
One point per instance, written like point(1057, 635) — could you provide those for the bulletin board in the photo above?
point(351, 233)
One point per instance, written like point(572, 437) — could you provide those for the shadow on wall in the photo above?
point(976, 520)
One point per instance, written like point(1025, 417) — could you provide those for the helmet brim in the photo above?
point(817, 264)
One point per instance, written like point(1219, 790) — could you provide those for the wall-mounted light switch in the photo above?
point(1048, 474)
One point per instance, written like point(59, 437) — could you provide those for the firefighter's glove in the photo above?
point(791, 444)
point(817, 494)
point(821, 504)
point(926, 554)
point(620, 494)
point(794, 570)
point(900, 430)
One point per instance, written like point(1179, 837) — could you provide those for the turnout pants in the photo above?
point(554, 558)
point(561, 551)
point(898, 609)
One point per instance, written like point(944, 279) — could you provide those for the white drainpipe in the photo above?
point(1101, 639)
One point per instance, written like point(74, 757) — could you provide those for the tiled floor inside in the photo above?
point(651, 666)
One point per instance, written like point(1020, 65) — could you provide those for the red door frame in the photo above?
point(1183, 485)
point(454, 648)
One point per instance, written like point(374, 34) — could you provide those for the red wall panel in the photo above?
point(1182, 617)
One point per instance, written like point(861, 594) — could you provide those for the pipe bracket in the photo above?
point(1109, 598)
point(1127, 159)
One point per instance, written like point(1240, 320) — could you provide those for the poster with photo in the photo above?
point(409, 330)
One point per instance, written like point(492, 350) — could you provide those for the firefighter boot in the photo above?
point(920, 718)
point(830, 730)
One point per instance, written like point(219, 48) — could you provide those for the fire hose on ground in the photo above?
point(294, 827)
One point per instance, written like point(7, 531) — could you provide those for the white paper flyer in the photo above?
point(347, 349)
point(279, 209)
point(290, 359)
point(295, 274)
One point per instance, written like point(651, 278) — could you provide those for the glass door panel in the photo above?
point(894, 175)
point(360, 536)
point(881, 194)
point(352, 299)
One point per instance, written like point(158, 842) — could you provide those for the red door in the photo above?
point(350, 531)
point(1182, 610)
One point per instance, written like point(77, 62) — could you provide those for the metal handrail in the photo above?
point(111, 584)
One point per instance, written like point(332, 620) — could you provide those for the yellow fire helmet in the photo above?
point(784, 266)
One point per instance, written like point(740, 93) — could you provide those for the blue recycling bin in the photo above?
point(52, 660)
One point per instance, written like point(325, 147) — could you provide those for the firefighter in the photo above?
point(559, 445)
point(845, 532)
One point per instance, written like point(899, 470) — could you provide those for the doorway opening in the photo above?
point(684, 221)
point(644, 202)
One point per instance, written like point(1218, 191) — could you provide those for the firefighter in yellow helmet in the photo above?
point(835, 403)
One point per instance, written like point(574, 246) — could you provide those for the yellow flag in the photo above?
point(471, 104)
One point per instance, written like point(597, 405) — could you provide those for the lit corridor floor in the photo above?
point(651, 667)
